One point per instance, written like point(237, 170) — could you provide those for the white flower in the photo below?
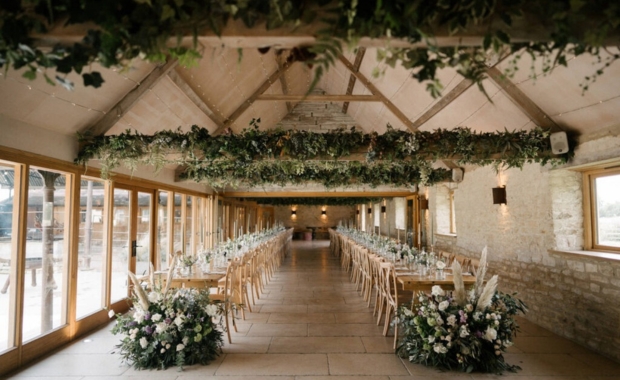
point(440, 264)
point(463, 332)
point(143, 342)
point(469, 307)
point(431, 321)
point(162, 350)
point(211, 310)
point(490, 334)
point(477, 316)
point(443, 305)
point(185, 340)
point(431, 339)
point(465, 350)
point(138, 316)
point(421, 299)
point(180, 347)
point(198, 328)
point(198, 338)
point(436, 290)
point(179, 320)
point(161, 327)
point(168, 346)
point(440, 348)
point(439, 320)
point(451, 321)
point(498, 352)
point(111, 313)
point(432, 306)
point(408, 312)
point(154, 297)
point(156, 317)
point(448, 338)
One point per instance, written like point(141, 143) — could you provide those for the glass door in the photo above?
point(132, 226)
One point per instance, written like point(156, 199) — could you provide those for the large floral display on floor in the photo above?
point(168, 327)
point(464, 330)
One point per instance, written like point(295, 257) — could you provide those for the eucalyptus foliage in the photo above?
point(329, 201)
point(123, 30)
point(283, 157)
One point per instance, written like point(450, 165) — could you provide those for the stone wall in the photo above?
point(574, 295)
point(311, 216)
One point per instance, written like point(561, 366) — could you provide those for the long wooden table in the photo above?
point(419, 283)
point(196, 279)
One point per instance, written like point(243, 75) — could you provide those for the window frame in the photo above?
point(452, 212)
point(590, 208)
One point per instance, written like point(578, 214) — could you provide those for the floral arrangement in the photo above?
point(169, 327)
point(468, 331)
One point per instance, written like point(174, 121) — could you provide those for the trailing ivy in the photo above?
point(127, 29)
point(330, 201)
point(283, 157)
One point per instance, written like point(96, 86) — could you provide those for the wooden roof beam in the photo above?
point(195, 98)
point(124, 105)
point(525, 104)
point(356, 65)
point(320, 98)
point(250, 100)
point(283, 84)
point(375, 91)
point(315, 194)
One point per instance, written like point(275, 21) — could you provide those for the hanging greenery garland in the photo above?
point(336, 158)
point(118, 31)
point(329, 201)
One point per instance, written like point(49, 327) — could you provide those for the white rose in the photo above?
point(443, 305)
point(111, 313)
point(179, 320)
point(490, 334)
point(436, 290)
point(211, 310)
point(156, 317)
point(185, 340)
point(161, 327)
point(451, 321)
point(138, 316)
point(180, 347)
point(469, 307)
point(143, 342)
point(431, 339)
point(440, 348)
point(408, 312)
point(463, 332)
point(154, 297)
point(162, 350)
point(168, 346)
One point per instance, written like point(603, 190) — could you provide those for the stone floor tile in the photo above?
point(302, 318)
point(351, 329)
point(278, 329)
point(274, 364)
point(365, 364)
point(316, 345)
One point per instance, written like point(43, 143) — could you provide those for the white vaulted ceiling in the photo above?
point(226, 83)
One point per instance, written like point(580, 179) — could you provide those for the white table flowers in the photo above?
point(468, 331)
point(168, 327)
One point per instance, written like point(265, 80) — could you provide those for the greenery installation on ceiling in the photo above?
point(336, 158)
point(329, 201)
point(121, 30)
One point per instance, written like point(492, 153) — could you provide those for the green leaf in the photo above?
point(30, 74)
point(92, 79)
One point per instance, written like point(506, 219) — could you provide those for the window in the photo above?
point(452, 212)
point(603, 209)
point(445, 211)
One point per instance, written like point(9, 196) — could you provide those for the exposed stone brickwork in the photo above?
point(575, 296)
point(310, 216)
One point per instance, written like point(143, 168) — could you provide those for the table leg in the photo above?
point(6, 285)
point(33, 272)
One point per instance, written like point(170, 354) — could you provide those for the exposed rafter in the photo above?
point(250, 100)
point(356, 65)
point(442, 103)
point(313, 194)
point(283, 84)
point(194, 97)
point(320, 98)
point(123, 106)
point(375, 91)
point(522, 101)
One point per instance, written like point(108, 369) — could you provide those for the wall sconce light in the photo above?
point(499, 195)
point(357, 212)
point(383, 209)
point(323, 212)
point(369, 210)
point(423, 204)
point(293, 212)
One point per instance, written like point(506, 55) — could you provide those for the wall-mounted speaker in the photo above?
point(559, 143)
point(457, 175)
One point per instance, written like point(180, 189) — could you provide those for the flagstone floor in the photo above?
point(310, 325)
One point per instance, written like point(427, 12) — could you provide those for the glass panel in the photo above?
point(188, 225)
point(200, 223)
point(120, 244)
point(45, 268)
point(143, 237)
point(608, 210)
point(7, 299)
point(178, 246)
point(91, 249)
point(162, 229)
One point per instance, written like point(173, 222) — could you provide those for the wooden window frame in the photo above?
point(590, 209)
point(452, 212)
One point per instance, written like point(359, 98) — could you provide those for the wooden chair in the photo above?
point(230, 295)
